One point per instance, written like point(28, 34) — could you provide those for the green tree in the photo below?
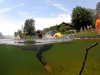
point(81, 17)
point(94, 20)
point(29, 27)
point(46, 29)
point(15, 34)
point(94, 15)
point(20, 33)
point(62, 28)
point(51, 28)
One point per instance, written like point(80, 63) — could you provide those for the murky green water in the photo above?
point(65, 59)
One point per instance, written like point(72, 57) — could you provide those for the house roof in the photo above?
point(67, 24)
point(40, 31)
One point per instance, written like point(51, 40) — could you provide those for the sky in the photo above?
point(46, 13)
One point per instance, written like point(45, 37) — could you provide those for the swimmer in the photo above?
point(42, 48)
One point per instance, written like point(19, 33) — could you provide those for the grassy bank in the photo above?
point(85, 33)
point(65, 59)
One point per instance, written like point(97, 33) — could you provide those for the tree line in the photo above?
point(81, 17)
point(56, 28)
point(28, 29)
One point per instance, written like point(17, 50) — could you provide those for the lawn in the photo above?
point(65, 59)
point(89, 33)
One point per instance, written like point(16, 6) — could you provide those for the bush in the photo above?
point(29, 37)
point(68, 32)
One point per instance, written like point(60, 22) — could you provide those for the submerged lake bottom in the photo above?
point(64, 59)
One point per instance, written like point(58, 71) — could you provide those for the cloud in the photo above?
point(22, 4)
point(64, 15)
point(48, 1)
point(5, 10)
point(27, 3)
point(8, 9)
point(41, 23)
point(8, 27)
point(23, 13)
point(61, 7)
point(1, 0)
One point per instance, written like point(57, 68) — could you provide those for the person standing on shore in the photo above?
point(97, 24)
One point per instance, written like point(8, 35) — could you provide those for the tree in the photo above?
point(81, 17)
point(62, 28)
point(94, 15)
point(29, 27)
point(15, 34)
point(20, 33)
point(46, 29)
point(51, 28)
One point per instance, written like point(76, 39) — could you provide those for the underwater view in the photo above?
point(64, 59)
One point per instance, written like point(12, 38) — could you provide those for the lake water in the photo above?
point(65, 59)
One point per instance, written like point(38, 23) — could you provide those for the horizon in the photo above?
point(46, 13)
